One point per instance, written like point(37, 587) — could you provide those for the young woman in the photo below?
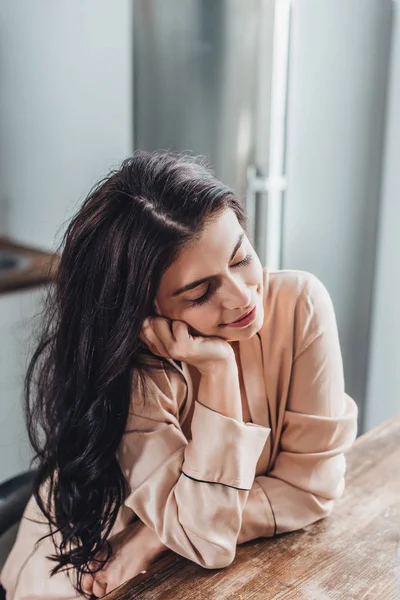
point(181, 397)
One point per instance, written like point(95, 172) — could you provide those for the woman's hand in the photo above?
point(171, 339)
point(134, 549)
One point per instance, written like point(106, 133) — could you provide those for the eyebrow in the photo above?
point(194, 284)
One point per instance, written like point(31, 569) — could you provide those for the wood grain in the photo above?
point(354, 554)
point(42, 267)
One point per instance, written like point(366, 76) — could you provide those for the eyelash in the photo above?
point(199, 301)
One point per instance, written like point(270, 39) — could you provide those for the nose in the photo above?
point(236, 294)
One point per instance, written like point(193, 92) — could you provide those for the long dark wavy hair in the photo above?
point(89, 357)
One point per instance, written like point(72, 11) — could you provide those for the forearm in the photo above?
point(192, 492)
point(293, 495)
point(219, 390)
point(134, 549)
point(152, 545)
point(274, 507)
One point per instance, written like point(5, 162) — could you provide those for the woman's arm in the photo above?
point(134, 549)
point(191, 493)
point(219, 390)
point(320, 425)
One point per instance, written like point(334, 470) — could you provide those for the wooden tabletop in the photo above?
point(354, 554)
point(40, 267)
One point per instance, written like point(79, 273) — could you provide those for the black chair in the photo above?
point(14, 496)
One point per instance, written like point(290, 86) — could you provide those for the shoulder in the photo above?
point(293, 284)
point(293, 287)
point(299, 302)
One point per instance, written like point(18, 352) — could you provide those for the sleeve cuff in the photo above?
point(222, 449)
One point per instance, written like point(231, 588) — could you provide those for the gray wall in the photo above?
point(65, 107)
point(337, 86)
point(65, 119)
point(383, 397)
point(18, 319)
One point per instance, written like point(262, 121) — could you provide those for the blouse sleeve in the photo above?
point(191, 493)
point(320, 425)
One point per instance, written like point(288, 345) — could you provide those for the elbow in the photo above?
point(324, 504)
point(217, 550)
point(326, 508)
point(226, 558)
point(216, 556)
point(221, 561)
point(319, 508)
point(324, 501)
point(205, 553)
point(327, 500)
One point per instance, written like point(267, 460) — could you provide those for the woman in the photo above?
point(185, 398)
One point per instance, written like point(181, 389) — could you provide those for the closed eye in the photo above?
point(247, 260)
point(199, 301)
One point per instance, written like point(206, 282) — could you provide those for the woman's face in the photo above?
point(214, 281)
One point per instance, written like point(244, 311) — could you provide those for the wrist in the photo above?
point(219, 390)
point(218, 368)
point(152, 544)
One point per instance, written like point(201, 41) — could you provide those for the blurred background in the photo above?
point(297, 104)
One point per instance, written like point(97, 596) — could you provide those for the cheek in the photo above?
point(201, 319)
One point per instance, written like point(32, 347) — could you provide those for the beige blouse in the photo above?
point(206, 482)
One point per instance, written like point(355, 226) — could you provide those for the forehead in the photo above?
point(205, 256)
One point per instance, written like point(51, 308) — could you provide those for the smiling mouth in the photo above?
point(241, 318)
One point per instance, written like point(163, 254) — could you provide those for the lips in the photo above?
point(242, 317)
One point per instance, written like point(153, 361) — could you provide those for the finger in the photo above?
point(162, 328)
point(87, 583)
point(156, 345)
point(153, 341)
point(145, 332)
point(143, 337)
point(180, 331)
point(99, 589)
